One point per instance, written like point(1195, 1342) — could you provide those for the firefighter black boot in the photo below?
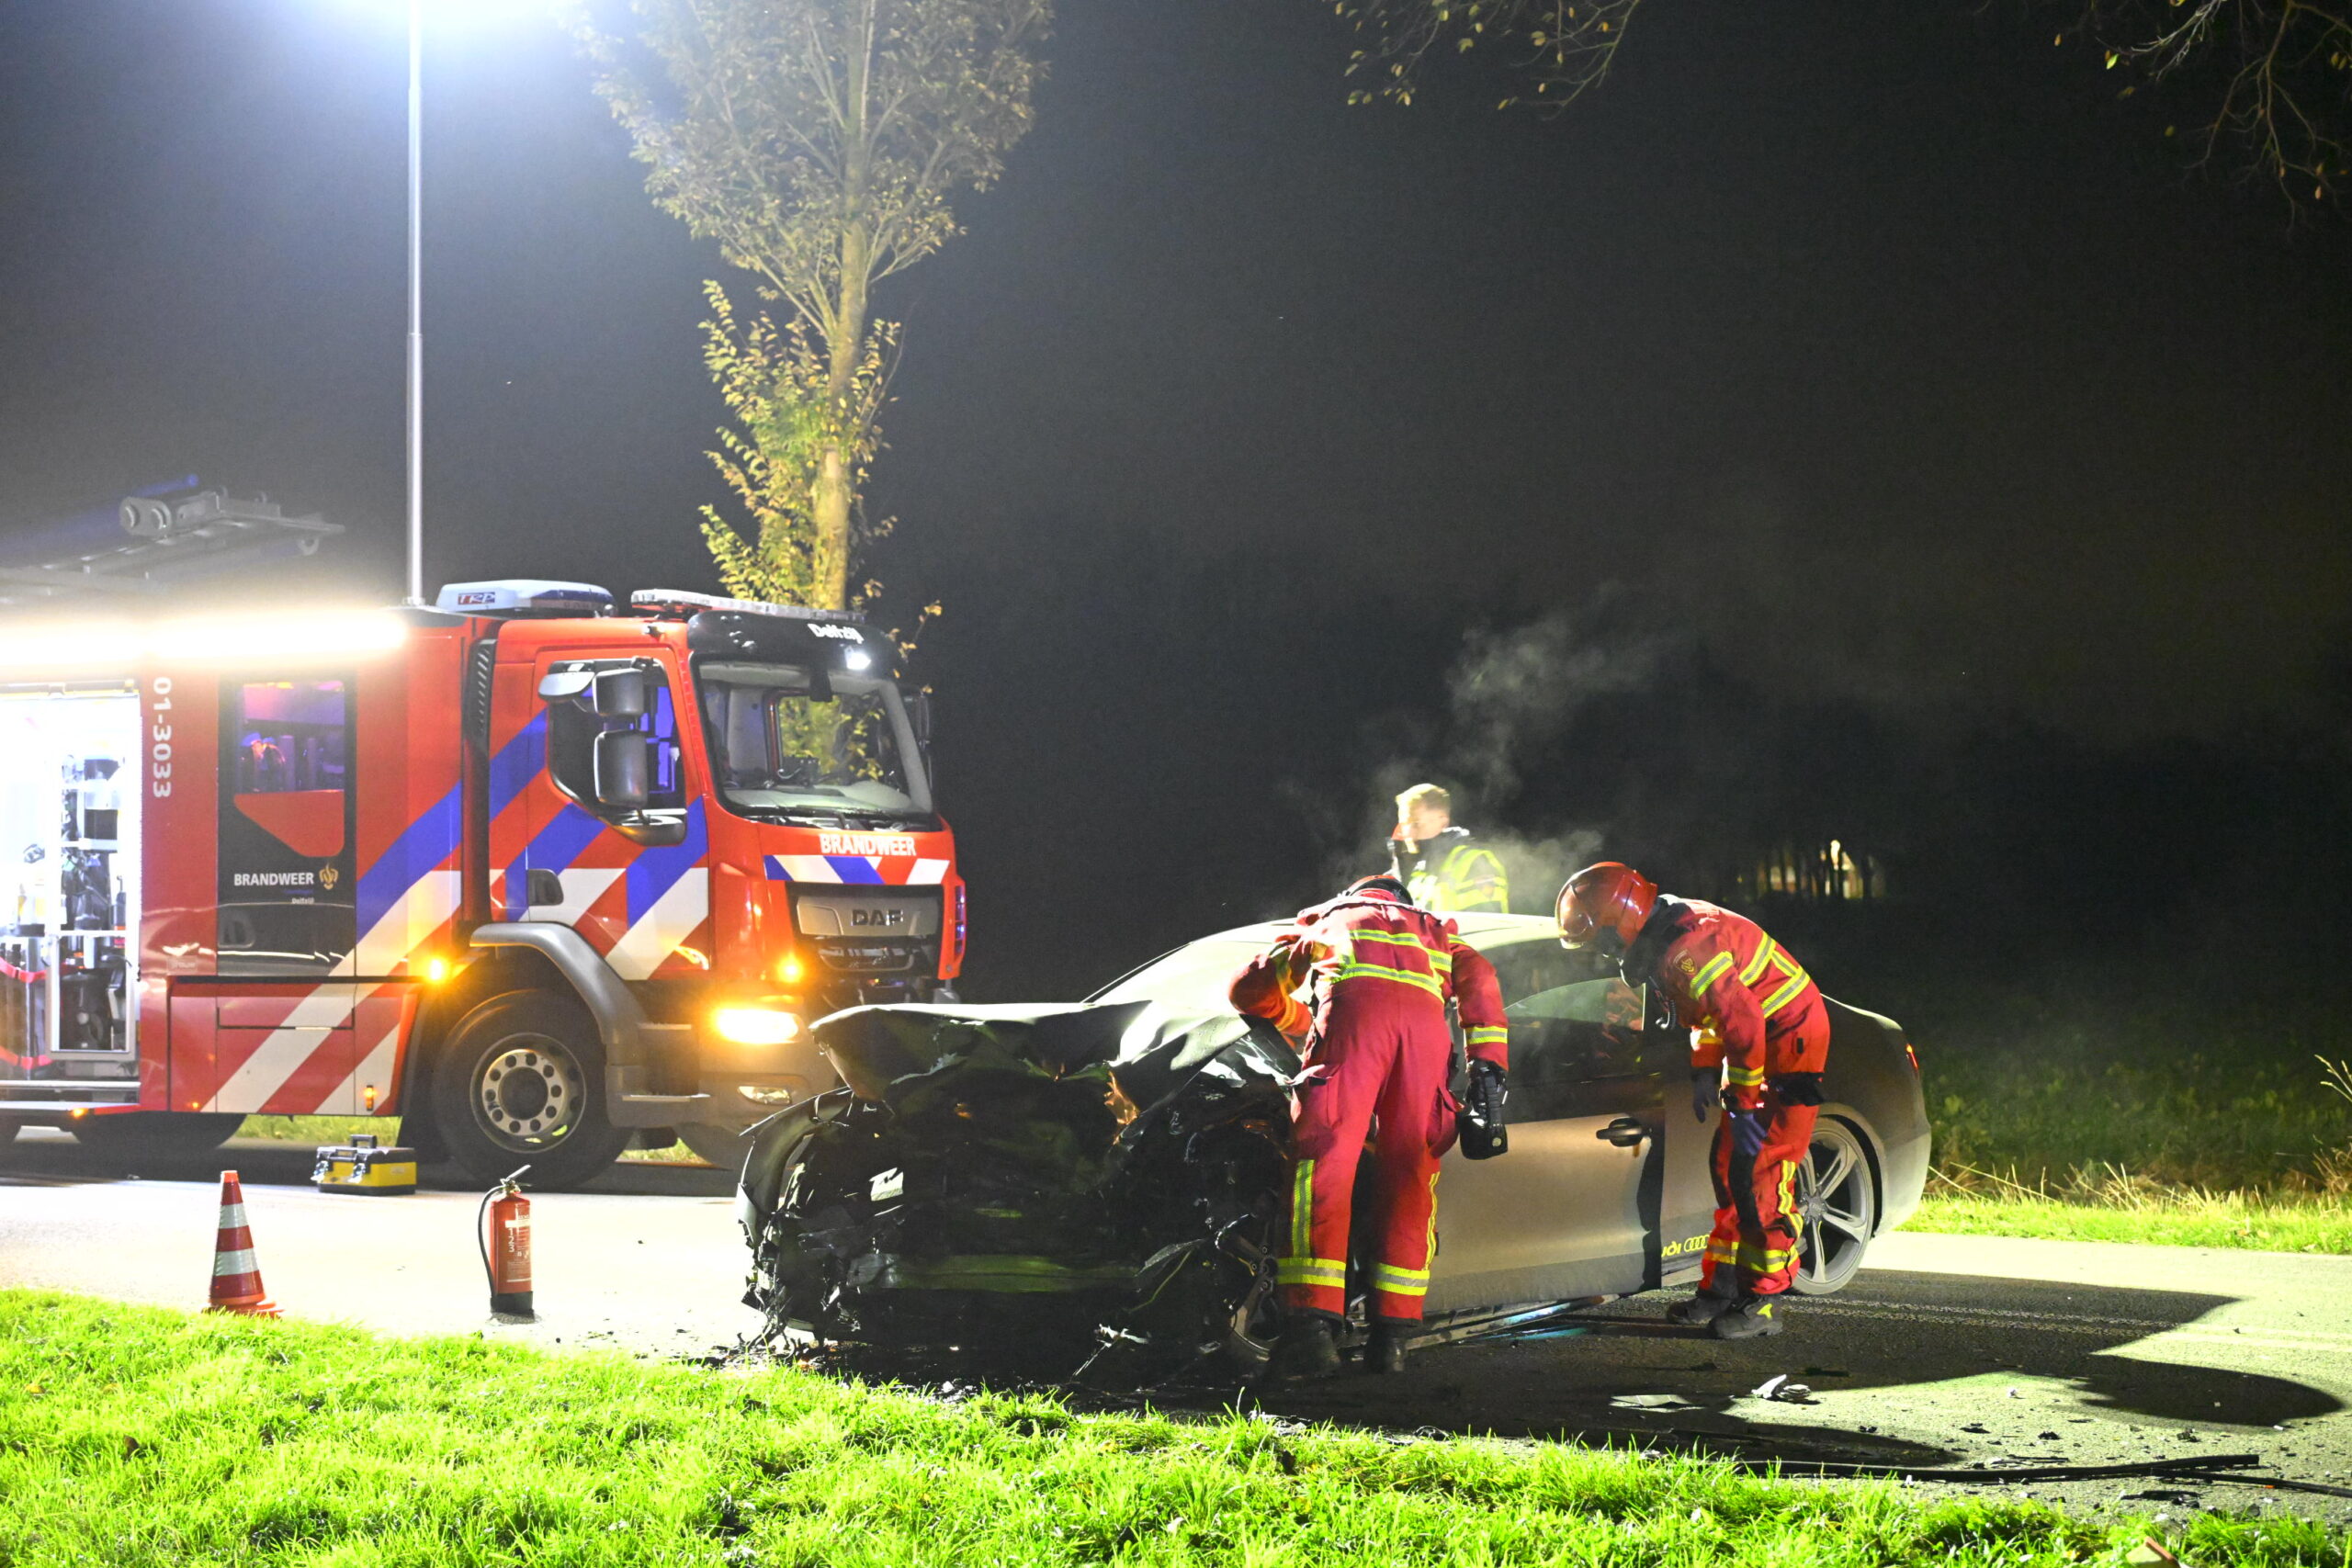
point(1386, 1353)
point(1752, 1317)
point(1305, 1349)
point(1704, 1308)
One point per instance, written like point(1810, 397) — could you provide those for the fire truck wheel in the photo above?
point(521, 1082)
point(158, 1132)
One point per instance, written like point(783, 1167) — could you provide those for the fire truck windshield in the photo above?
point(793, 744)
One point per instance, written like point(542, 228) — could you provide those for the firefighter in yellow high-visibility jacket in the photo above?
point(1438, 862)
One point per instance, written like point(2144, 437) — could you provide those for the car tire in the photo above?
point(521, 1082)
point(722, 1146)
point(1837, 1193)
point(162, 1135)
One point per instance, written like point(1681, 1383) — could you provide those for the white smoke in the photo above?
point(1511, 694)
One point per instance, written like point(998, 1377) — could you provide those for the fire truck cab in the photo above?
point(533, 871)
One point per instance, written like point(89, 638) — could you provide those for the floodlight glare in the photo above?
point(223, 641)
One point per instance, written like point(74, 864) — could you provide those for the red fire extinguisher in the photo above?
point(505, 1233)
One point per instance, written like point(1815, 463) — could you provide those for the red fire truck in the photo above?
point(531, 871)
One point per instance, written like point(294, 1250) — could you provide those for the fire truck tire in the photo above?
point(521, 1082)
point(162, 1133)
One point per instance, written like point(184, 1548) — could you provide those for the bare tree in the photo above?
point(2280, 70)
point(819, 142)
point(1561, 46)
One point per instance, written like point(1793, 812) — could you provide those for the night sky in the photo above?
point(1875, 358)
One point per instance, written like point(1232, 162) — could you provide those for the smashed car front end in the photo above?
point(1022, 1170)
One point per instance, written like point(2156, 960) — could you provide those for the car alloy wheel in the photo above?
point(1837, 1198)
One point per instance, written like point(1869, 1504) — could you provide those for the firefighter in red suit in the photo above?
point(1760, 1041)
point(1377, 1050)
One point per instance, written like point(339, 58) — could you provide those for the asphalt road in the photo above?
point(1946, 1351)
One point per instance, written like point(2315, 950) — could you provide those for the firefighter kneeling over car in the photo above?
point(1760, 1041)
point(1377, 1050)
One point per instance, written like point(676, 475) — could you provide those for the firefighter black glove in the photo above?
point(1480, 1125)
point(1746, 1132)
point(1706, 1091)
point(1797, 1088)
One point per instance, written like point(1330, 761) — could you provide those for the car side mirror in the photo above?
point(620, 693)
point(623, 769)
point(919, 717)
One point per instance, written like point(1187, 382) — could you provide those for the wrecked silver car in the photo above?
point(1111, 1172)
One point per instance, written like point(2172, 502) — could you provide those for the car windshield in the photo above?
point(1540, 981)
point(1193, 978)
point(792, 744)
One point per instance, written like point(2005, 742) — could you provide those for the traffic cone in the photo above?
point(236, 1277)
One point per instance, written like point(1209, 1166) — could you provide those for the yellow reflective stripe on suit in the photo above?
point(1299, 1267)
point(1487, 1034)
point(1440, 960)
point(1755, 970)
point(1394, 939)
point(1310, 1272)
point(1709, 974)
point(1791, 989)
point(1763, 1261)
point(1353, 971)
point(1302, 1207)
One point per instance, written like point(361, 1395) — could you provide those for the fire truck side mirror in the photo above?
point(565, 686)
point(620, 693)
point(623, 769)
point(919, 717)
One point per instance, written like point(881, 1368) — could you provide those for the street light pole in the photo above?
point(415, 302)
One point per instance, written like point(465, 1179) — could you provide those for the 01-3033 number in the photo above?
point(159, 731)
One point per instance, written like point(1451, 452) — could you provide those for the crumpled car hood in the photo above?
point(899, 1055)
point(1009, 1149)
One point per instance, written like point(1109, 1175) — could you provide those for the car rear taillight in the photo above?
point(1910, 1051)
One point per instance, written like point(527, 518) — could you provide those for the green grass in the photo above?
point(322, 1130)
point(2180, 1109)
point(2168, 1219)
point(318, 1130)
point(2127, 1116)
point(132, 1437)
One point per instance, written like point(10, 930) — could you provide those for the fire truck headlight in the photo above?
point(435, 971)
point(756, 1026)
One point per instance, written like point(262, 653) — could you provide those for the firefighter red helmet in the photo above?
point(1604, 897)
point(1379, 885)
